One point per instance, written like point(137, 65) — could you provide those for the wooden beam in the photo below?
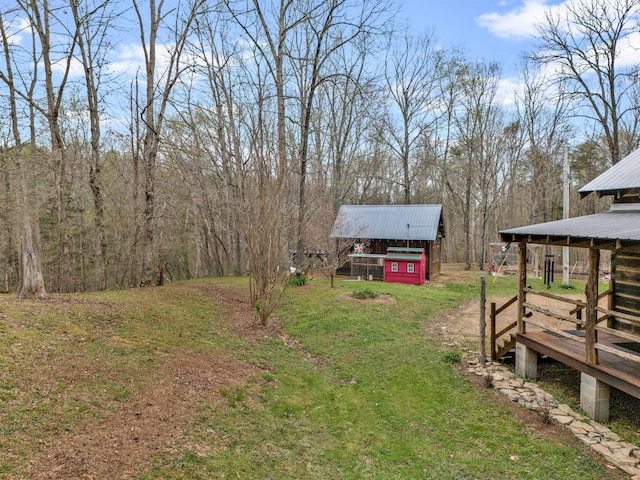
point(557, 331)
point(549, 313)
point(591, 290)
point(621, 316)
point(522, 284)
point(619, 333)
point(632, 357)
point(560, 298)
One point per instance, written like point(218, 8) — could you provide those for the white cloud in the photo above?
point(628, 50)
point(128, 59)
point(518, 22)
point(508, 88)
point(75, 68)
point(17, 29)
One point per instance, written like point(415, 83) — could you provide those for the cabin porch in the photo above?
point(590, 335)
point(611, 369)
point(606, 355)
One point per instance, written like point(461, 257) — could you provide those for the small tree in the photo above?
point(342, 248)
point(265, 208)
point(336, 237)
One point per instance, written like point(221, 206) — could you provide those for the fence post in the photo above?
point(483, 300)
point(492, 340)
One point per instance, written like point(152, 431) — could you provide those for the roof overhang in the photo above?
point(619, 228)
point(621, 178)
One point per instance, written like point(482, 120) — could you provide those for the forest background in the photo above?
point(250, 122)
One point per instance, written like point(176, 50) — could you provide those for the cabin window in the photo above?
point(409, 267)
point(394, 266)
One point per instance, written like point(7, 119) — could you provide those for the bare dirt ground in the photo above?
point(126, 440)
point(152, 422)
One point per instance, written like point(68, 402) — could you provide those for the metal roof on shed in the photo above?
point(389, 222)
point(403, 256)
point(620, 224)
point(624, 175)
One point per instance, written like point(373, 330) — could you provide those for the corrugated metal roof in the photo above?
point(392, 222)
point(622, 222)
point(624, 175)
point(403, 256)
point(419, 251)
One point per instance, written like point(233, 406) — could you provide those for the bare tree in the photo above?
point(264, 198)
point(93, 21)
point(21, 88)
point(48, 27)
point(411, 73)
point(475, 172)
point(329, 28)
point(216, 117)
point(544, 119)
point(350, 102)
point(151, 108)
point(582, 44)
point(337, 238)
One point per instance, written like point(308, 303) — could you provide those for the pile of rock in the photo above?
point(601, 439)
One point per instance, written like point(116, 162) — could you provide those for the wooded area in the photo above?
point(148, 141)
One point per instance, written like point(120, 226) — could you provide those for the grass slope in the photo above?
point(345, 389)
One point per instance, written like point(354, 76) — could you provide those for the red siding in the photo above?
point(403, 275)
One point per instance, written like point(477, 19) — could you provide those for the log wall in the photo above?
point(625, 266)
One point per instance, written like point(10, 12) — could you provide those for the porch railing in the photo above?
point(580, 324)
point(504, 340)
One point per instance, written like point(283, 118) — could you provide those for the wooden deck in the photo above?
point(611, 369)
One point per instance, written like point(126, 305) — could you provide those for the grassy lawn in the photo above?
point(342, 388)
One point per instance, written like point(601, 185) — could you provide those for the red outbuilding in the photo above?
point(405, 265)
point(382, 227)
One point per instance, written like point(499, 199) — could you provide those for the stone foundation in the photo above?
point(526, 362)
point(594, 398)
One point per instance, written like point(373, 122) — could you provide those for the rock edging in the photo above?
point(596, 436)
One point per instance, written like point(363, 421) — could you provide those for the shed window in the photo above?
point(394, 266)
point(409, 267)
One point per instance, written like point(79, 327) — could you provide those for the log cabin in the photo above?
point(601, 333)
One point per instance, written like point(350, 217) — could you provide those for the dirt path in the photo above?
point(126, 440)
point(152, 423)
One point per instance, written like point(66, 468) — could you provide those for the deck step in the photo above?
point(507, 344)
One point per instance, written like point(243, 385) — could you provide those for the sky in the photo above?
point(492, 30)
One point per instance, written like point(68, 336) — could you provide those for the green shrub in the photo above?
point(452, 357)
point(297, 280)
point(364, 294)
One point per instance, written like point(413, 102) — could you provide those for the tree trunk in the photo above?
point(25, 202)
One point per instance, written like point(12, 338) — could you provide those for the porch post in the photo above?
point(526, 358)
point(591, 293)
point(522, 283)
